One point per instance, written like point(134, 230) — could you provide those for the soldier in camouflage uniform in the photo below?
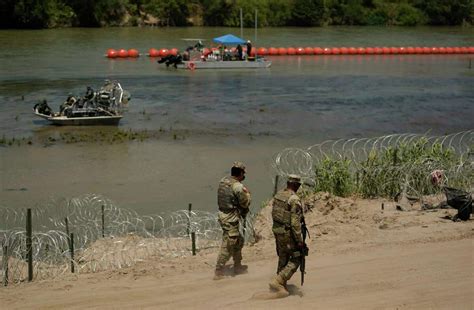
point(287, 214)
point(233, 199)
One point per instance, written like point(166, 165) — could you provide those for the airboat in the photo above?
point(104, 107)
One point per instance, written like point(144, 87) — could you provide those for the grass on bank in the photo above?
point(387, 172)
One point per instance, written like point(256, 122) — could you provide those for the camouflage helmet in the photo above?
point(294, 178)
point(239, 165)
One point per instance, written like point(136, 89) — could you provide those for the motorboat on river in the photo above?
point(198, 57)
point(104, 107)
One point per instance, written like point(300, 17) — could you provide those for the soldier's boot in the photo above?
point(277, 284)
point(218, 274)
point(240, 269)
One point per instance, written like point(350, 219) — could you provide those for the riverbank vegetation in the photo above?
point(271, 13)
point(389, 171)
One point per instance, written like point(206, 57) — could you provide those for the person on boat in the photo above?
point(89, 96)
point(221, 51)
point(70, 101)
point(186, 55)
point(107, 87)
point(43, 108)
point(249, 49)
point(239, 52)
point(199, 46)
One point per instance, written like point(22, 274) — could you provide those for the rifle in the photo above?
point(304, 250)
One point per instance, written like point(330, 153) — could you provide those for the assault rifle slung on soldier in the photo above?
point(304, 250)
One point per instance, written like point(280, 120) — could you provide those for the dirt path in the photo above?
point(426, 275)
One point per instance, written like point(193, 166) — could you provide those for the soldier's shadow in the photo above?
point(294, 290)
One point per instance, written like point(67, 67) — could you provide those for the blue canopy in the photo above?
point(229, 39)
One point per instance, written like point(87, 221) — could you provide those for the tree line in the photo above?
point(271, 13)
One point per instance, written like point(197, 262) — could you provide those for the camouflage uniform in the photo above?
point(233, 200)
point(287, 214)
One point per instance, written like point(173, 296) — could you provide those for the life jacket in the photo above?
point(226, 199)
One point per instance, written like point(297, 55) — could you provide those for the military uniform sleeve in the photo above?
point(243, 196)
point(296, 216)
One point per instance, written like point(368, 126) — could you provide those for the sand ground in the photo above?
point(360, 258)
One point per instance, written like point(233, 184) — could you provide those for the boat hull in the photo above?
point(192, 65)
point(82, 121)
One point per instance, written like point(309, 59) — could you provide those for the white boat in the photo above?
point(220, 64)
point(81, 120)
point(102, 108)
point(195, 56)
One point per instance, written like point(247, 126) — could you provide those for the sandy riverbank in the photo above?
point(360, 257)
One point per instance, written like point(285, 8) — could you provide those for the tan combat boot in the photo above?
point(277, 284)
point(240, 269)
point(218, 274)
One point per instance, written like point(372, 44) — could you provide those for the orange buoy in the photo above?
point(344, 50)
point(153, 52)
point(111, 53)
point(122, 53)
point(299, 51)
point(434, 50)
point(378, 50)
point(369, 51)
point(318, 51)
point(361, 51)
point(419, 50)
point(291, 51)
point(442, 50)
point(164, 52)
point(386, 50)
point(464, 50)
point(402, 50)
point(409, 50)
point(262, 51)
point(352, 50)
point(133, 53)
point(471, 49)
point(449, 50)
point(426, 50)
point(394, 50)
point(308, 51)
point(327, 51)
point(272, 51)
point(282, 51)
point(335, 51)
point(173, 51)
point(456, 50)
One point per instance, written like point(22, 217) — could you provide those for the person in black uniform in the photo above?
point(249, 49)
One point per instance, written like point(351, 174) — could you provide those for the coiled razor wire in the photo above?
point(129, 237)
point(369, 169)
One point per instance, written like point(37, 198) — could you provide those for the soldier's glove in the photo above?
point(302, 248)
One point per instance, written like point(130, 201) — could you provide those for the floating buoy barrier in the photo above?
point(300, 51)
point(122, 53)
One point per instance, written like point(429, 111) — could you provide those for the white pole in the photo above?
point(241, 25)
point(256, 26)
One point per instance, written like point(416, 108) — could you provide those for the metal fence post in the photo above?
point(5, 265)
point(188, 228)
point(193, 240)
point(29, 244)
point(103, 221)
point(71, 249)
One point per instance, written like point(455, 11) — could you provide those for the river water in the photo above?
point(228, 115)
